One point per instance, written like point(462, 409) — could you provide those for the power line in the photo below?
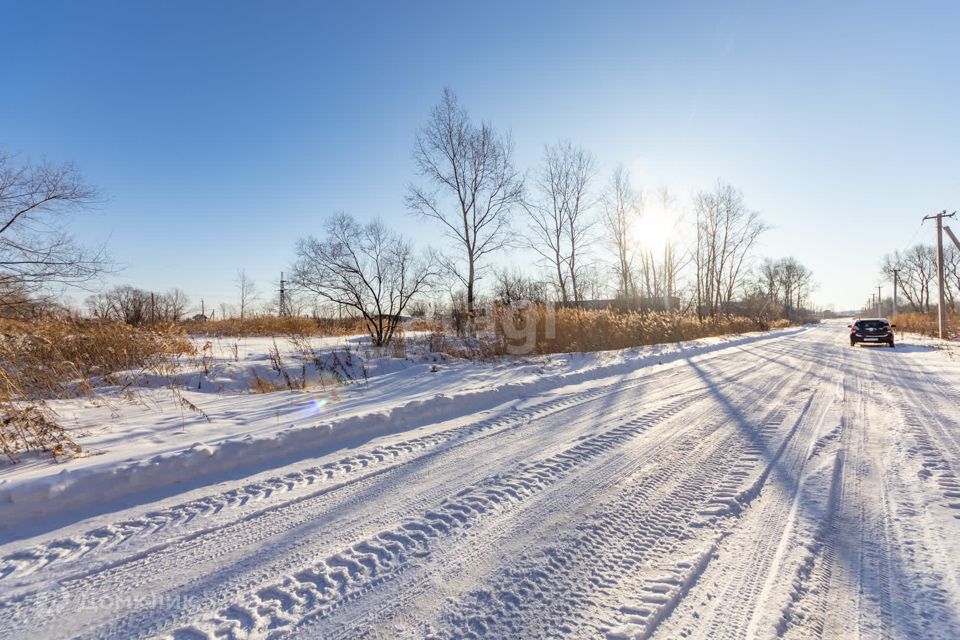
point(914, 236)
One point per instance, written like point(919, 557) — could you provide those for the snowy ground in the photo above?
point(780, 485)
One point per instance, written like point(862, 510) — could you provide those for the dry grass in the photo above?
point(584, 330)
point(276, 326)
point(53, 358)
point(926, 324)
point(423, 324)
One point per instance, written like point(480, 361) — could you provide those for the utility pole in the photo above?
point(896, 273)
point(941, 305)
point(283, 296)
point(879, 303)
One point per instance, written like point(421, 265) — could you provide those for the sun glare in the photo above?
point(652, 230)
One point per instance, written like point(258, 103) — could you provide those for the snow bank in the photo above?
point(39, 492)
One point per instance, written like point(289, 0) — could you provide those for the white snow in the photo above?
point(757, 486)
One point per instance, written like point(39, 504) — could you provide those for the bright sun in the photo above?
point(652, 230)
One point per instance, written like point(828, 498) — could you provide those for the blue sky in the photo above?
point(221, 132)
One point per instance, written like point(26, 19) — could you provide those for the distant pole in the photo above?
point(283, 296)
point(942, 301)
point(879, 303)
point(896, 273)
point(203, 311)
point(153, 308)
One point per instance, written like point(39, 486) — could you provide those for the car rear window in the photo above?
point(872, 324)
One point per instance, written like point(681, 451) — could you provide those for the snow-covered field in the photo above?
point(760, 486)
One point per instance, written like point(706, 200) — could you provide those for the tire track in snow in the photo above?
point(142, 565)
point(753, 544)
point(158, 621)
point(345, 576)
point(28, 561)
point(937, 437)
point(805, 613)
point(639, 533)
point(870, 573)
point(739, 590)
point(456, 568)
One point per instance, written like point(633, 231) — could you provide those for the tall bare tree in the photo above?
point(561, 214)
point(367, 268)
point(246, 291)
point(472, 186)
point(621, 206)
point(35, 248)
point(917, 270)
point(726, 232)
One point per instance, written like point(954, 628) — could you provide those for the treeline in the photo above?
point(917, 277)
point(596, 243)
point(586, 240)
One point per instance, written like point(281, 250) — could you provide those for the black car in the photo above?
point(871, 331)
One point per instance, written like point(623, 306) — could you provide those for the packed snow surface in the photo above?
point(780, 485)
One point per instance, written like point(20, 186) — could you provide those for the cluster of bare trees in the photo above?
point(568, 218)
point(785, 282)
point(513, 285)
point(584, 235)
point(917, 274)
point(726, 232)
point(137, 306)
point(593, 240)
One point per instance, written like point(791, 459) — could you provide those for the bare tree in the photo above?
point(247, 292)
point(512, 286)
point(99, 306)
point(726, 233)
point(35, 249)
point(785, 282)
point(560, 216)
point(173, 305)
point(473, 186)
point(123, 303)
point(621, 206)
point(768, 279)
point(917, 270)
point(366, 268)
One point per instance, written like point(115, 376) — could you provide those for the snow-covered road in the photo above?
point(785, 487)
